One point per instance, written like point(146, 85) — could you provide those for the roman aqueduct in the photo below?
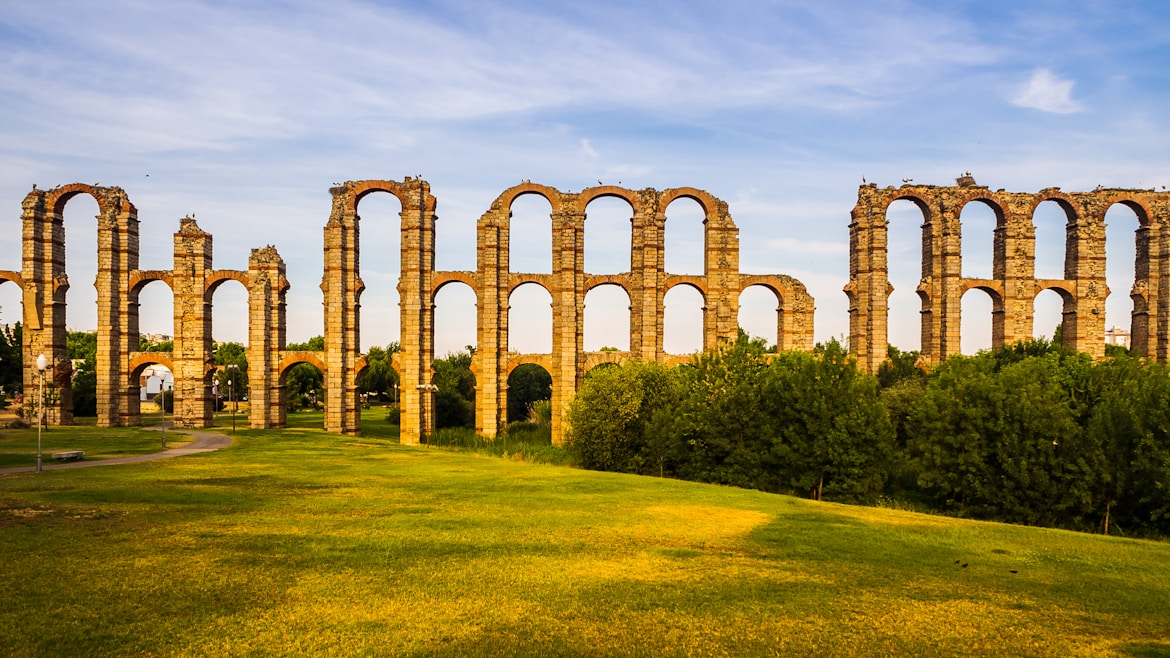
point(193, 279)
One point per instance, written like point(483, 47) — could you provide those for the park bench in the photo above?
point(68, 455)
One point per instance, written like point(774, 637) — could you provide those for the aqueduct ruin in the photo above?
point(193, 279)
point(1013, 285)
point(1012, 288)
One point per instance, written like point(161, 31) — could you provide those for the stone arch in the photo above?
point(216, 278)
point(543, 280)
point(608, 234)
point(606, 358)
point(442, 279)
point(773, 333)
point(194, 280)
point(667, 320)
point(293, 358)
point(143, 359)
point(590, 322)
point(543, 315)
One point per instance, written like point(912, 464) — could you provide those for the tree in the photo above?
point(304, 383)
point(455, 399)
point(621, 418)
point(527, 384)
point(234, 354)
point(11, 358)
point(379, 376)
point(81, 347)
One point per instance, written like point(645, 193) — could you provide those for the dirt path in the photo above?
point(203, 442)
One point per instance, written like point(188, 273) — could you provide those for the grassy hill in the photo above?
point(306, 543)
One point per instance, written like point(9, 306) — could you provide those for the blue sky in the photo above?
point(244, 113)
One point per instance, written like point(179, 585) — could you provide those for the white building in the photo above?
point(155, 379)
point(1117, 336)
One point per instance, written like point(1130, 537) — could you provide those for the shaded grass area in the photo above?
point(303, 542)
point(19, 447)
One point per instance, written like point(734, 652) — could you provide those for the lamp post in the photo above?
point(164, 409)
point(42, 363)
point(232, 393)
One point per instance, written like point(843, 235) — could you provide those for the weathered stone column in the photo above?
point(417, 308)
point(342, 289)
point(721, 269)
point(45, 284)
point(648, 274)
point(267, 285)
point(868, 279)
point(568, 312)
point(491, 357)
point(191, 354)
point(1014, 265)
point(1084, 318)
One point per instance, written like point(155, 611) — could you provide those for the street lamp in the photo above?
point(42, 363)
point(232, 394)
point(164, 409)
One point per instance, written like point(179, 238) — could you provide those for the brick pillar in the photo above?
point(1084, 317)
point(342, 288)
point(493, 236)
point(417, 308)
point(45, 283)
point(648, 274)
point(868, 279)
point(947, 271)
point(1014, 265)
point(191, 354)
point(568, 313)
point(721, 270)
point(267, 285)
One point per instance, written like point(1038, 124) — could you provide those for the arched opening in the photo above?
point(607, 319)
point(229, 312)
point(975, 327)
point(530, 235)
point(978, 222)
point(455, 398)
point(380, 256)
point(600, 367)
point(528, 384)
point(11, 357)
point(303, 384)
point(1048, 315)
point(1051, 223)
point(81, 240)
point(379, 386)
point(156, 386)
point(684, 237)
point(607, 235)
point(1121, 256)
point(759, 313)
point(530, 405)
point(905, 224)
point(682, 320)
point(530, 320)
point(156, 315)
point(455, 318)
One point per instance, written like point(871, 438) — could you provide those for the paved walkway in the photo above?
point(204, 442)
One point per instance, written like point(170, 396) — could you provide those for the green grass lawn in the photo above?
point(300, 542)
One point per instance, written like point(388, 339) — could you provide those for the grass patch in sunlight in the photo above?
point(304, 542)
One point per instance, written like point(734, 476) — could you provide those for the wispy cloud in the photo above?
point(1046, 92)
